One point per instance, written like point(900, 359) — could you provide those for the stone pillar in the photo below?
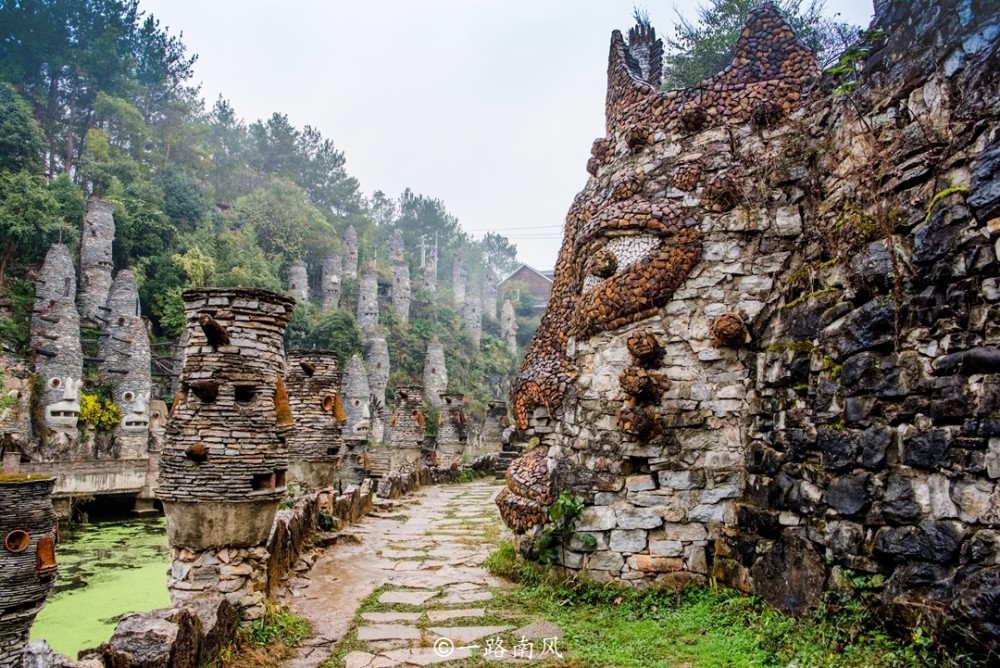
point(406, 429)
point(435, 374)
point(350, 252)
point(27, 559)
point(400, 278)
point(458, 279)
point(316, 448)
point(453, 434)
point(368, 300)
point(225, 460)
point(125, 358)
point(494, 423)
point(508, 326)
point(357, 397)
point(95, 258)
point(428, 276)
point(158, 412)
point(472, 318)
point(55, 338)
point(377, 361)
point(331, 283)
point(490, 293)
point(298, 281)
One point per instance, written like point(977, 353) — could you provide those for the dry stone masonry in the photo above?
point(458, 279)
point(298, 281)
point(357, 401)
point(769, 353)
point(224, 465)
point(27, 559)
point(350, 267)
point(490, 295)
point(316, 448)
point(453, 430)
point(96, 239)
point(406, 429)
point(124, 362)
point(435, 374)
point(331, 283)
point(472, 318)
point(400, 277)
point(508, 326)
point(368, 300)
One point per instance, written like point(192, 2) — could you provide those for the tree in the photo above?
point(22, 142)
point(705, 47)
point(29, 219)
point(499, 254)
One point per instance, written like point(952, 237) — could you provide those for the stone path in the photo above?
point(435, 601)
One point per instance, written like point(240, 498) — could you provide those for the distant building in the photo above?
point(539, 284)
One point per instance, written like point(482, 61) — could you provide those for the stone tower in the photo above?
point(357, 398)
point(435, 374)
point(368, 300)
point(224, 464)
point(400, 277)
point(458, 279)
point(428, 275)
point(315, 449)
point(298, 281)
point(350, 252)
point(508, 326)
point(490, 295)
point(406, 429)
point(331, 283)
point(453, 434)
point(494, 423)
point(472, 318)
point(125, 363)
point(55, 338)
point(27, 559)
point(377, 360)
point(95, 258)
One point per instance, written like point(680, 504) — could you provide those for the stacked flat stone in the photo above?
point(316, 448)
point(627, 326)
point(400, 277)
point(472, 319)
point(298, 281)
point(377, 361)
point(453, 433)
point(435, 374)
point(356, 392)
point(27, 559)
point(490, 294)
point(428, 276)
point(224, 463)
point(508, 326)
point(494, 423)
point(331, 283)
point(55, 338)
point(459, 277)
point(125, 363)
point(350, 268)
point(406, 429)
point(96, 262)
point(368, 300)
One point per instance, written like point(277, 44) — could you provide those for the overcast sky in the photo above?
point(489, 105)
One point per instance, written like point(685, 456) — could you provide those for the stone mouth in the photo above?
point(135, 422)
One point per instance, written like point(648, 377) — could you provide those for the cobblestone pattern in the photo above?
point(96, 263)
point(27, 559)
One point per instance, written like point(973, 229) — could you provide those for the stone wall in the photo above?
point(406, 429)
point(453, 430)
point(769, 350)
point(316, 448)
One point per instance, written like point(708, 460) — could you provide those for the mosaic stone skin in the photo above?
point(626, 250)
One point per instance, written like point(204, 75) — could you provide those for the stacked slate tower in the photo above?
point(406, 429)
point(125, 357)
point(350, 267)
point(368, 300)
point(453, 432)
point(377, 360)
point(435, 374)
point(331, 283)
point(27, 559)
point(508, 326)
point(400, 278)
point(458, 279)
point(298, 281)
point(316, 448)
point(225, 461)
point(96, 263)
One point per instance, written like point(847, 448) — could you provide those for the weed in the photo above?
point(267, 642)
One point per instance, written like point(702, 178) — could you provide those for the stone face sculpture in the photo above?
point(631, 240)
point(357, 401)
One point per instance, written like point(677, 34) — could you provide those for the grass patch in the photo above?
point(608, 625)
point(267, 642)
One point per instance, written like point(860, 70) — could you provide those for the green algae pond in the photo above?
point(106, 569)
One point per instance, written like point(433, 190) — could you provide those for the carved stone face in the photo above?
point(157, 416)
point(362, 426)
point(64, 412)
point(135, 411)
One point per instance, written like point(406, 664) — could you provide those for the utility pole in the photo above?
point(435, 255)
point(423, 251)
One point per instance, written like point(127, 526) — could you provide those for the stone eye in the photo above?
point(128, 396)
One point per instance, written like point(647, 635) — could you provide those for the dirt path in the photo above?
point(434, 606)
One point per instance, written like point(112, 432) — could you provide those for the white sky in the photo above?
point(489, 105)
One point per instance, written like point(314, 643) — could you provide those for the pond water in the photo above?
point(106, 569)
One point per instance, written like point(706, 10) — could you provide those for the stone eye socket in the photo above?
point(55, 382)
point(128, 396)
point(244, 393)
point(121, 321)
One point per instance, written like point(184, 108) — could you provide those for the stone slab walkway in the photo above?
point(435, 601)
